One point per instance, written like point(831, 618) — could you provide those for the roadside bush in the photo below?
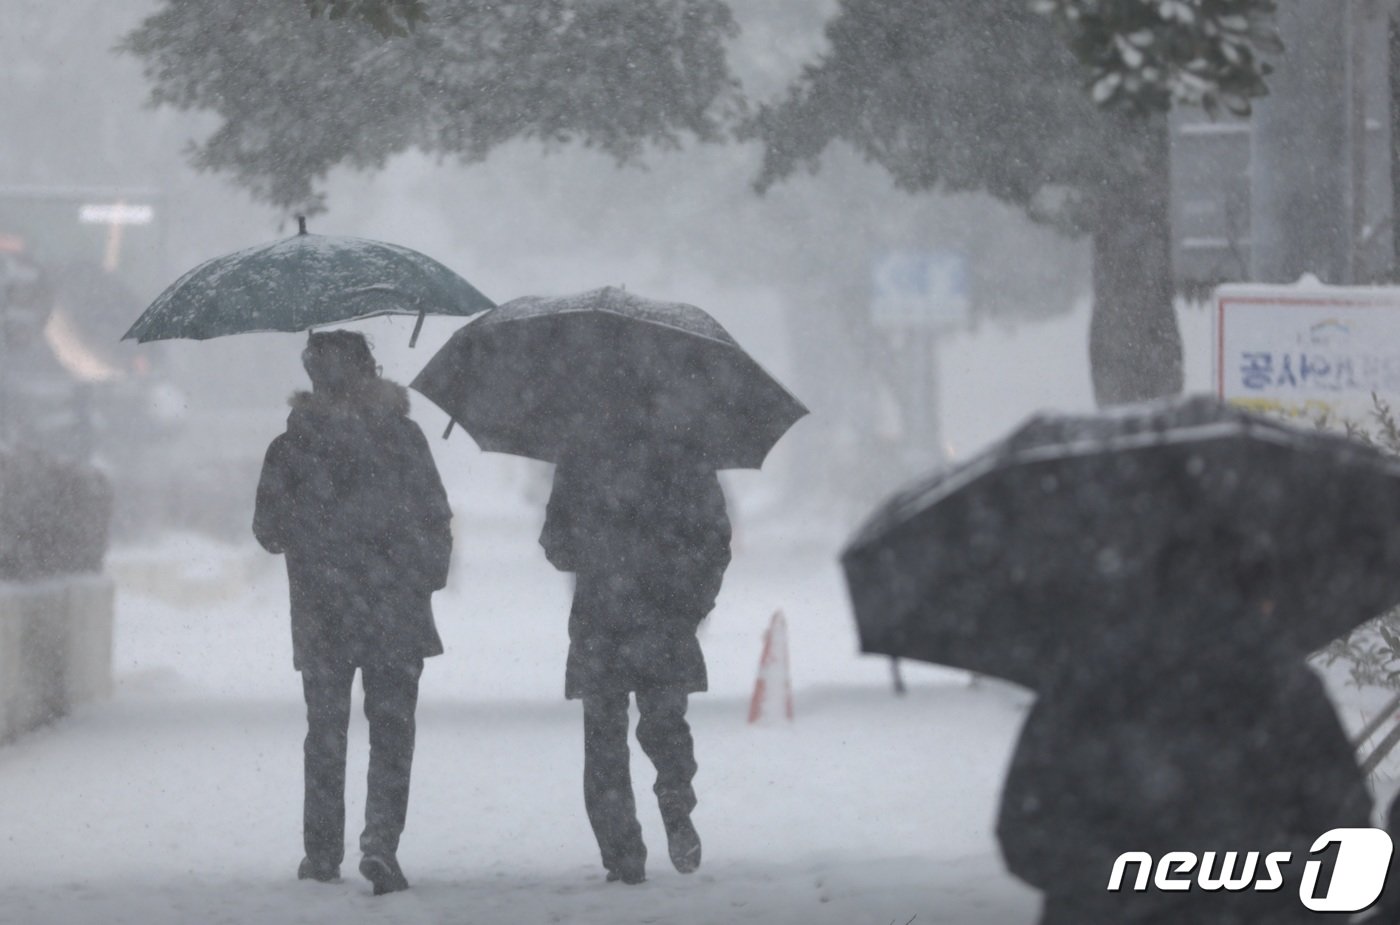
point(1371, 653)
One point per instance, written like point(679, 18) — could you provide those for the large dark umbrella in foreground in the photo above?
point(1080, 534)
point(304, 282)
point(538, 376)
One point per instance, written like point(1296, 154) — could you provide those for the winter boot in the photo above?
point(319, 871)
point(383, 871)
point(683, 842)
point(630, 873)
point(629, 870)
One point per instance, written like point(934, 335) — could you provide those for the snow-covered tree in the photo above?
point(388, 17)
point(987, 96)
point(298, 95)
point(1150, 54)
point(945, 94)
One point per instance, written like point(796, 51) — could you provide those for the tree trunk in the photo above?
point(1134, 343)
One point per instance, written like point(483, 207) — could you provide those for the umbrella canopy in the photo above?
point(303, 282)
point(1186, 523)
point(539, 376)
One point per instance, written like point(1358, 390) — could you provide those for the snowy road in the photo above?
point(178, 801)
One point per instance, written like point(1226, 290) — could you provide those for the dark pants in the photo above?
point(607, 780)
point(391, 696)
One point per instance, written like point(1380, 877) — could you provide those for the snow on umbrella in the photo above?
point(1187, 520)
point(303, 282)
point(538, 376)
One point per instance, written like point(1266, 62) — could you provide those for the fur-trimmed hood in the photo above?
point(376, 396)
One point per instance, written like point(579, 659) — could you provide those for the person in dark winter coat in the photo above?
point(1255, 765)
point(350, 494)
point(1210, 736)
point(647, 535)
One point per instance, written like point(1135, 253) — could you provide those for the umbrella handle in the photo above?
point(418, 326)
point(1377, 721)
point(447, 433)
point(1385, 747)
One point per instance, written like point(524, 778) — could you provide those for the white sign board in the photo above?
point(1308, 347)
point(115, 213)
point(918, 289)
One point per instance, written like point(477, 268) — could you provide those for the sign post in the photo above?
point(1307, 348)
point(917, 296)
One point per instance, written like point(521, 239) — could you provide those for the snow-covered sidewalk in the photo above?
point(179, 800)
point(163, 808)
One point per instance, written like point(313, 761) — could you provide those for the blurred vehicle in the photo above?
point(71, 272)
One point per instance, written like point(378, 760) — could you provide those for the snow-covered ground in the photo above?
point(179, 800)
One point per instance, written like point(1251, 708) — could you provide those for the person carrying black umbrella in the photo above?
point(350, 494)
point(1207, 733)
point(638, 403)
point(1157, 574)
point(646, 532)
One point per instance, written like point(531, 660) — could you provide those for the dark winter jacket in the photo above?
point(351, 495)
point(1254, 761)
point(649, 541)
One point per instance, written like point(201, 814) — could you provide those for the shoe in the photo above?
point(629, 872)
point(383, 871)
point(318, 871)
point(684, 844)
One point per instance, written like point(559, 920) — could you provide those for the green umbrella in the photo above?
point(304, 282)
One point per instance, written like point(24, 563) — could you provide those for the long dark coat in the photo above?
point(351, 495)
point(1256, 761)
point(649, 541)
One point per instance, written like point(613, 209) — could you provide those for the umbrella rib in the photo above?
point(522, 319)
point(1090, 445)
point(372, 287)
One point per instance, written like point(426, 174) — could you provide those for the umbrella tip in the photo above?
point(301, 224)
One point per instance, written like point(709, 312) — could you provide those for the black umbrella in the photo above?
point(538, 376)
point(1188, 520)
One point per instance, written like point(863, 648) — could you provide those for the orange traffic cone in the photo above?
point(774, 679)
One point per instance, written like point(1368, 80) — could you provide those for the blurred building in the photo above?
point(1304, 184)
